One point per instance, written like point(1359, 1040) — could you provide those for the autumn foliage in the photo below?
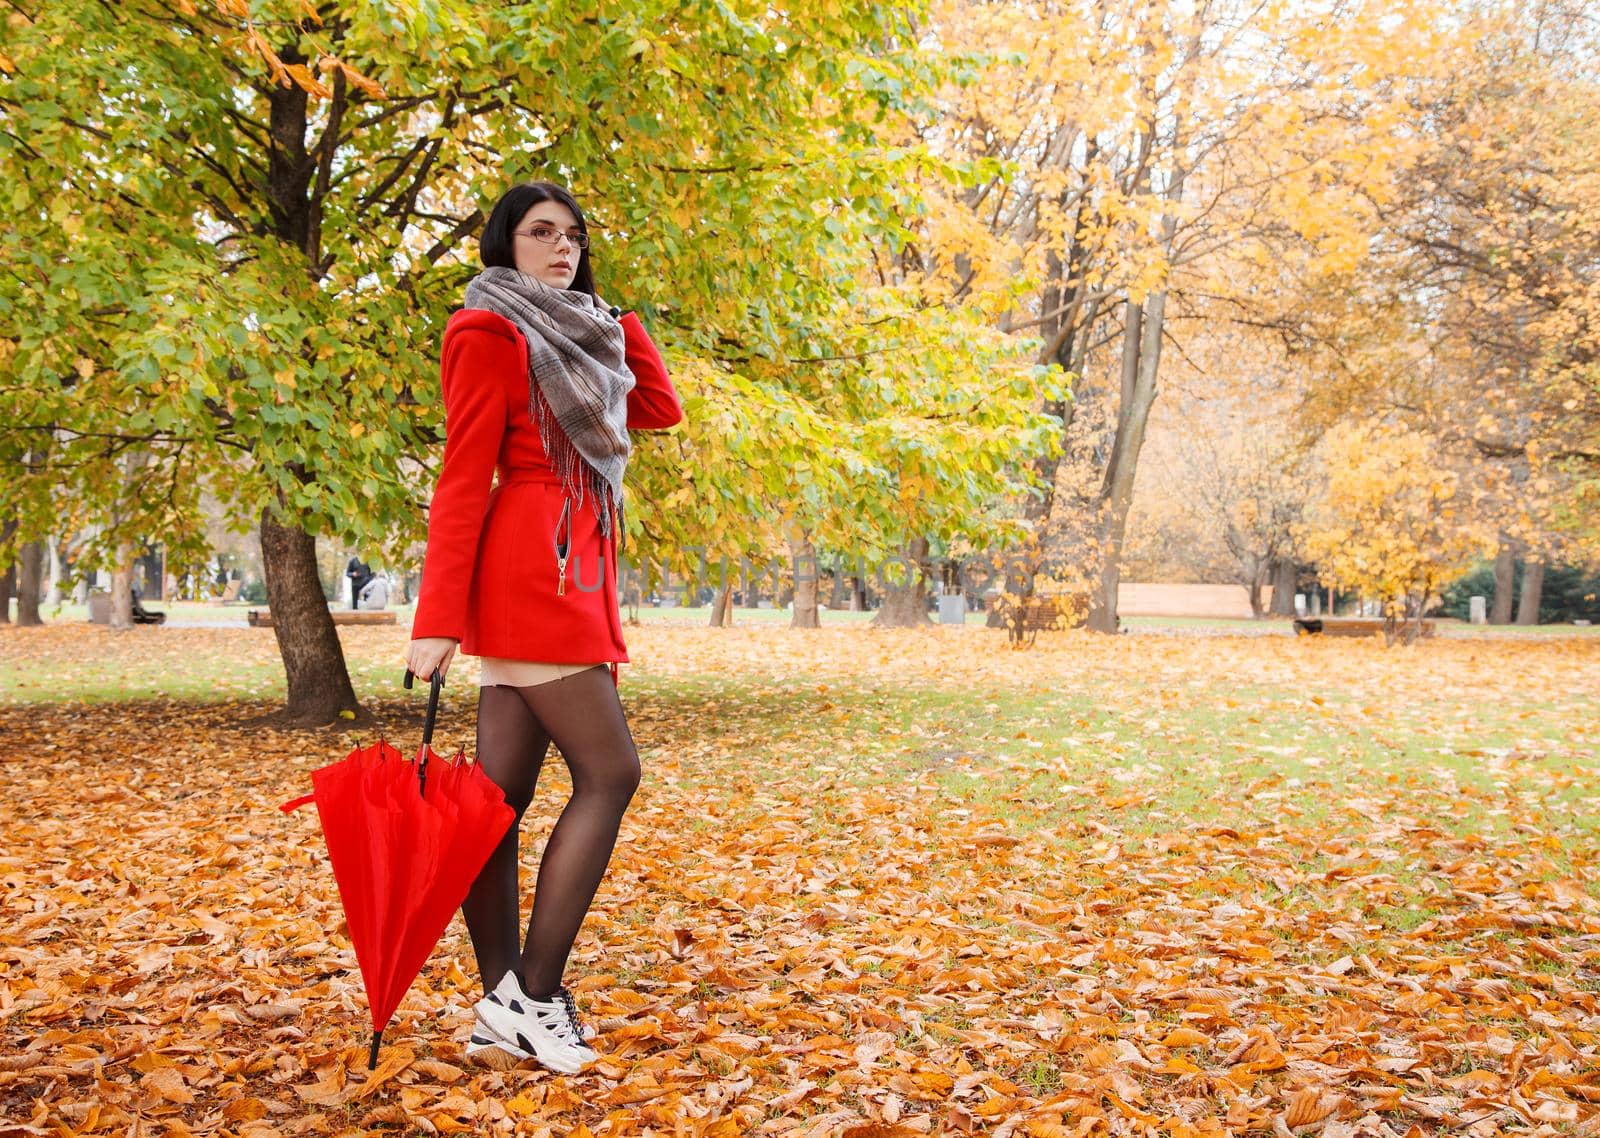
point(1390, 524)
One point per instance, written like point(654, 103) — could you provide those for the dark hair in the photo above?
point(494, 247)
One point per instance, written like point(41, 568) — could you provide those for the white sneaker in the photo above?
point(487, 1049)
point(513, 1022)
point(586, 1031)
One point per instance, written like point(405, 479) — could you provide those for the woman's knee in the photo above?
point(616, 777)
point(511, 747)
point(514, 775)
point(519, 799)
point(631, 773)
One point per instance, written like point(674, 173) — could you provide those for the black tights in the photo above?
point(582, 715)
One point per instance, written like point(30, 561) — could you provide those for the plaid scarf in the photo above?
point(578, 382)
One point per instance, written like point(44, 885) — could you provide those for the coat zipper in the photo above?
point(562, 547)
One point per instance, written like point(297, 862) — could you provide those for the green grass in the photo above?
point(219, 682)
point(247, 670)
point(1404, 918)
point(1040, 1078)
point(1022, 757)
point(233, 614)
point(1244, 753)
point(1010, 757)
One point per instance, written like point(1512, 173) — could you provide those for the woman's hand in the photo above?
point(429, 652)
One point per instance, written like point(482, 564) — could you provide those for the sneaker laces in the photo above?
point(572, 1014)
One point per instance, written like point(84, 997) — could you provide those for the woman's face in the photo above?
point(545, 244)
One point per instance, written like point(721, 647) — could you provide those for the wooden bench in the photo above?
point(262, 618)
point(230, 593)
point(1039, 614)
point(1350, 626)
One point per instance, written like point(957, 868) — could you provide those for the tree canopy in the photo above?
point(249, 222)
point(918, 270)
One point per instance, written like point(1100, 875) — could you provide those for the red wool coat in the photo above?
point(489, 577)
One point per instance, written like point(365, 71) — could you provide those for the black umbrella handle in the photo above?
point(434, 688)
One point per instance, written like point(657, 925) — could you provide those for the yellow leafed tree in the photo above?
point(1158, 169)
point(1389, 525)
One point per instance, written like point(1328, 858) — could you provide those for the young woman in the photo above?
point(542, 381)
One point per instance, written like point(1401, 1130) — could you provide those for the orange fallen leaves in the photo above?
point(1083, 898)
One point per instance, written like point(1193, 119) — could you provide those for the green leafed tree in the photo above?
point(249, 220)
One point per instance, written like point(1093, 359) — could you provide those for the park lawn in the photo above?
point(915, 879)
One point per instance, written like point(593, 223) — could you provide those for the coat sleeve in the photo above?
point(476, 418)
point(653, 403)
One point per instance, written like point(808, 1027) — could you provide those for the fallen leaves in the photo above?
point(1084, 898)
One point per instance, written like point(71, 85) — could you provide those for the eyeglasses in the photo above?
point(549, 235)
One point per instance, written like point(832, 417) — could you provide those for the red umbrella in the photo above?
point(406, 840)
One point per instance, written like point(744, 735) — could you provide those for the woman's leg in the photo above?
point(584, 717)
point(511, 749)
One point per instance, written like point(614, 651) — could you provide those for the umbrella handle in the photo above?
point(436, 685)
point(434, 688)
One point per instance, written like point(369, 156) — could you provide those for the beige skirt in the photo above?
point(525, 673)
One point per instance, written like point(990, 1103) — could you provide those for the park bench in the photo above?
point(262, 618)
point(1348, 626)
point(230, 593)
point(1023, 622)
point(100, 610)
point(142, 615)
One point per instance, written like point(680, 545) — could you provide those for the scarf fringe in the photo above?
point(579, 480)
point(578, 382)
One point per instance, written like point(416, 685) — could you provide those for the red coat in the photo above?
point(489, 578)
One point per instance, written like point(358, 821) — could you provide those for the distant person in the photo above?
point(375, 594)
point(359, 573)
point(542, 374)
point(142, 615)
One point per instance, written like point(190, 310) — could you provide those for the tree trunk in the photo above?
point(132, 463)
point(1141, 360)
point(1258, 582)
point(835, 588)
point(1022, 568)
point(1071, 315)
point(147, 568)
point(722, 608)
point(56, 594)
point(8, 582)
point(858, 594)
point(1505, 573)
point(905, 605)
point(30, 584)
point(1283, 577)
point(1532, 592)
point(313, 659)
point(122, 587)
point(1407, 623)
point(804, 556)
point(319, 687)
